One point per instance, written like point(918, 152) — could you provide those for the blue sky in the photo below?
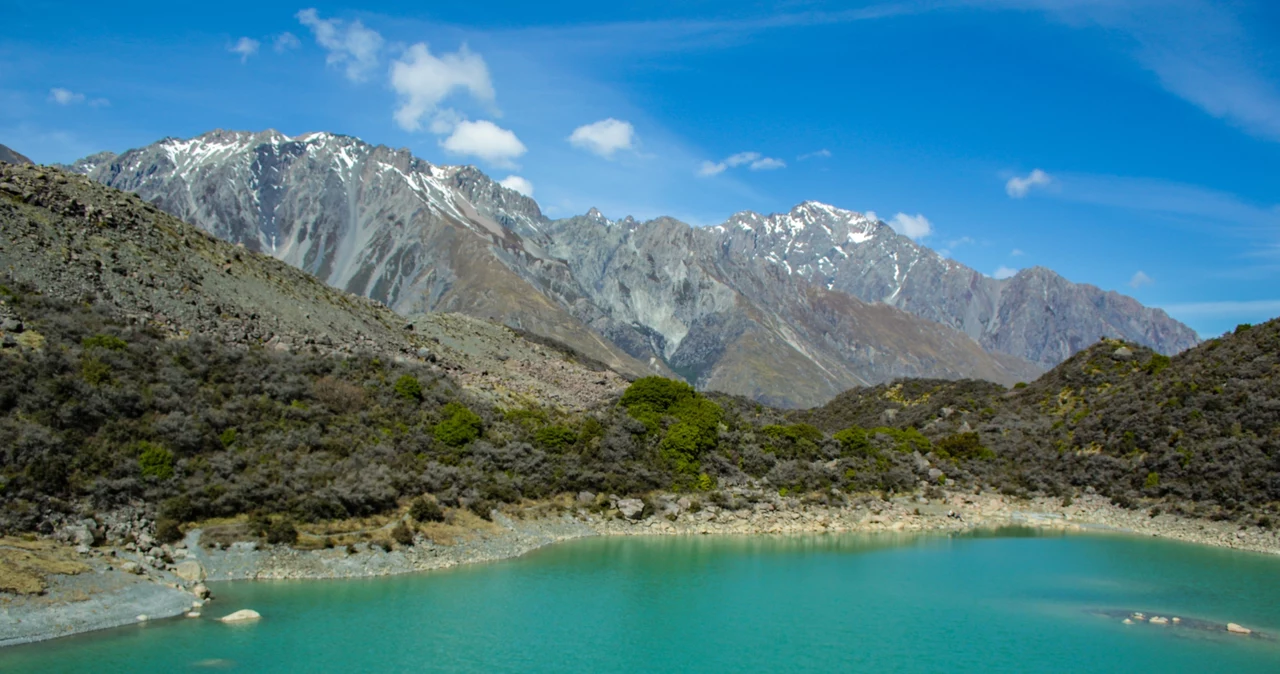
point(1131, 144)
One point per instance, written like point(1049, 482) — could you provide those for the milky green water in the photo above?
point(1014, 602)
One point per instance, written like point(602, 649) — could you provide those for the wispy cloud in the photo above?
point(348, 44)
point(752, 160)
point(1017, 252)
point(245, 47)
point(604, 137)
point(1140, 279)
point(286, 41)
point(819, 154)
point(1198, 50)
point(1018, 187)
point(1247, 308)
point(1003, 272)
point(65, 96)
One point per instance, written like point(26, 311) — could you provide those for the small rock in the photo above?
point(131, 567)
point(242, 615)
point(1237, 629)
point(193, 614)
point(1158, 620)
point(1176, 620)
point(143, 618)
point(586, 497)
point(1127, 621)
point(1122, 353)
point(201, 590)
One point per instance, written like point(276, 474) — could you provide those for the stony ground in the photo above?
point(125, 584)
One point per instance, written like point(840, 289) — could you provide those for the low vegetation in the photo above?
point(100, 412)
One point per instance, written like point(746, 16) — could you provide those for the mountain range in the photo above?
point(788, 309)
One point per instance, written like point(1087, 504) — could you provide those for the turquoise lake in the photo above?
point(1014, 601)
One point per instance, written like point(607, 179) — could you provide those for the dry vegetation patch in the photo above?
point(25, 565)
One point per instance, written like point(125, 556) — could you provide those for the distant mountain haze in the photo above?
point(788, 309)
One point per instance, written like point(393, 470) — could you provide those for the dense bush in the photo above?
point(408, 387)
point(425, 509)
point(459, 427)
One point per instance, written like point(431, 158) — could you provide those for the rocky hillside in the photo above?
point(148, 367)
point(787, 308)
point(78, 241)
point(1200, 431)
point(9, 156)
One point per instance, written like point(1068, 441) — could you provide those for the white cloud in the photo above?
point(1017, 252)
point(485, 140)
point(1003, 272)
point(286, 41)
point(820, 154)
point(65, 96)
point(245, 47)
point(767, 164)
point(604, 137)
point(710, 168)
point(521, 185)
point(351, 44)
point(1140, 279)
point(1019, 187)
point(423, 80)
point(752, 160)
point(914, 227)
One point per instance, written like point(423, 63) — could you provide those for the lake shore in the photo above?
point(115, 593)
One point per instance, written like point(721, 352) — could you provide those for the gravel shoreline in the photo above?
point(109, 597)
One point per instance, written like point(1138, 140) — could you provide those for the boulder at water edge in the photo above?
point(241, 616)
point(1237, 629)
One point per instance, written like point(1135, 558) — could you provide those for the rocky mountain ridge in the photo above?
point(788, 308)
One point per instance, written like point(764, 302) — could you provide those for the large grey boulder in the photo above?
point(631, 508)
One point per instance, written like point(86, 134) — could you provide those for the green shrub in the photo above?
point(281, 531)
point(228, 437)
point(1243, 327)
point(408, 387)
point(402, 534)
point(555, 438)
point(1153, 480)
point(460, 426)
point(95, 372)
point(424, 509)
point(1157, 363)
point(1021, 384)
point(904, 439)
point(155, 461)
point(682, 448)
point(108, 342)
point(655, 395)
point(962, 446)
point(854, 441)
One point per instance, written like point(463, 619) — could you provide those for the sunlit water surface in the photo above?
point(1015, 602)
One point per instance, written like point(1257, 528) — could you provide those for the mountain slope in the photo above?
point(78, 241)
point(9, 156)
point(370, 220)
point(785, 308)
point(1037, 314)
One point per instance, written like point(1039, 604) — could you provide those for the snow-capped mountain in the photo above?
point(789, 308)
